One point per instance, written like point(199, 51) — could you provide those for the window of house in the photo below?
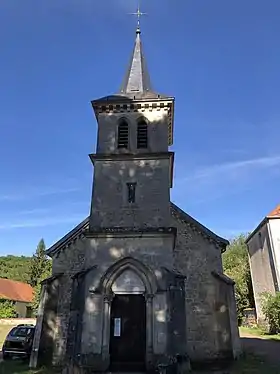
point(142, 134)
point(123, 134)
point(131, 189)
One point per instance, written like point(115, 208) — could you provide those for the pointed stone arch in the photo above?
point(128, 263)
point(148, 279)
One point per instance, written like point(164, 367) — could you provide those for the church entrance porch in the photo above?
point(128, 333)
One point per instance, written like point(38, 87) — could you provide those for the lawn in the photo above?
point(19, 367)
point(4, 329)
point(258, 332)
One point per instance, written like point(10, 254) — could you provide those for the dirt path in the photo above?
point(269, 349)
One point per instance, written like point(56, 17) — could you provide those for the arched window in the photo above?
point(142, 134)
point(123, 134)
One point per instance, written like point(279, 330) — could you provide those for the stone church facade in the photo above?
point(139, 282)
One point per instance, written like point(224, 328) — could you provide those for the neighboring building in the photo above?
point(264, 253)
point(18, 292)
point(138, 281)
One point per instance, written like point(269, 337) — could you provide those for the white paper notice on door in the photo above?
point(117, 327)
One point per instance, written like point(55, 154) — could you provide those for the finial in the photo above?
point(139, 14)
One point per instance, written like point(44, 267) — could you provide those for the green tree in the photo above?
point(7, 309)
point(271, 310)
point(236, 266)
point(40, 269)
point(15, 267)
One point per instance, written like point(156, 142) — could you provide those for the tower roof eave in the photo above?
point(129, 98)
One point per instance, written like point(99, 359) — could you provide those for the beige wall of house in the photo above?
point(264, 254)
point(22, 309)
point(274, 231)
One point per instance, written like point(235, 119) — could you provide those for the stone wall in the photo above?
point(250, 318)
point(110, 207)
point(197, 258)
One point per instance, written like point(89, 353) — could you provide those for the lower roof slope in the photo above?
point(175, 211)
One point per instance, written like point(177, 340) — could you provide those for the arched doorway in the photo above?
point(128, 288)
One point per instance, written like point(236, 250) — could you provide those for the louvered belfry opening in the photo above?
point(123, 135)
point(142, 134)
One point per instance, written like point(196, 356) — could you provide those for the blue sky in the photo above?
point(219, 58)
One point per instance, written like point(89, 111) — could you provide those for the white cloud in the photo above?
point(234, 169)
point(49, 221)
point(35, 193)
point(214, 182)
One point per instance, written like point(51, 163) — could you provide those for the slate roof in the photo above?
point(175, 210)
point(137, 83)
point(15, 291)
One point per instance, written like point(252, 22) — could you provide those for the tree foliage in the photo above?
point(271, 311)
point(40, 269)
point(15, 267)
point(7, 309)
point(32, 270)
point(236, 266)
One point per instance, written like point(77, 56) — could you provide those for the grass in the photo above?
point(20, 367)
point(252, 364)
point(256, 331)
point(4, 329)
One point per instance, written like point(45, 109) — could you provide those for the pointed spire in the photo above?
point(137, 79)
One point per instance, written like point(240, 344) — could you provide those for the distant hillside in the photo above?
point(15, 267)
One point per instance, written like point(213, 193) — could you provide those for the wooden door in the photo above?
point(128, 333)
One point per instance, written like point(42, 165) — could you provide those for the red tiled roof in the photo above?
point(275, 212)
point(16, 291)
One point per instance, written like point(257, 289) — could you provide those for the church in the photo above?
point(138, 284)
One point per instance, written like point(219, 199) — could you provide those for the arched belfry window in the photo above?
point(142, 134)
point(123, 134)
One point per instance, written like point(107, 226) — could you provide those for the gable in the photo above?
point(207, 234)
point(176, 212)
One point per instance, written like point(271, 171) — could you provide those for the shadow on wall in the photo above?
point(50, 321)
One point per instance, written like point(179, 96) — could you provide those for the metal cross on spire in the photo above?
point(139, 14)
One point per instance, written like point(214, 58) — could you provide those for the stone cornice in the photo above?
point(224, 278)
point(128, 156)
point(130, 232)
point(51, 279)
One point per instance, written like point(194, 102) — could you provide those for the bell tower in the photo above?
point(133, 167)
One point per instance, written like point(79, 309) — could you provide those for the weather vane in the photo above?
point(139, 14)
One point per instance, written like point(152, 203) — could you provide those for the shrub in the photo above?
point(7, 309)
point(271, 311)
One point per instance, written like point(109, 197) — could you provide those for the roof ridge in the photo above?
point(275, 212)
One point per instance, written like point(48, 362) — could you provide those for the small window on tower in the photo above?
point(123, 135)
point(131, 189)
point(142, 134)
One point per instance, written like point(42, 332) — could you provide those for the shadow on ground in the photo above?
point(269, 349)
point(261, 356)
